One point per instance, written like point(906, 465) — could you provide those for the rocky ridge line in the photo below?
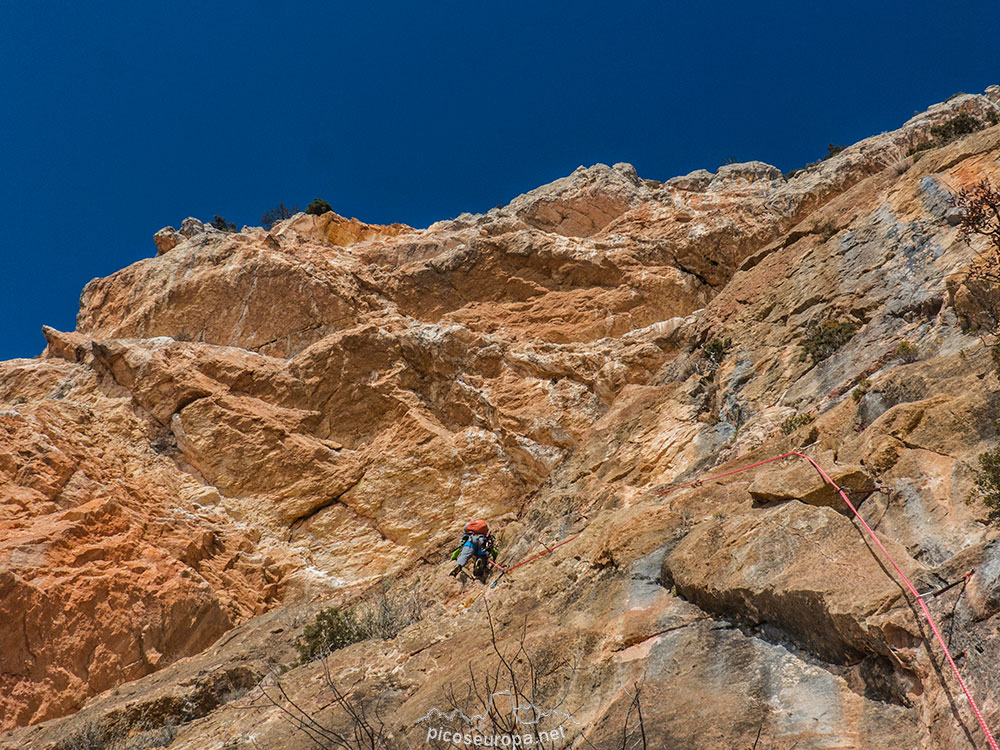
point(316, 404)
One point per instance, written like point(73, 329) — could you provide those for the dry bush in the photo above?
point(896, 160)
point(104, 735)
point(979, 216)
point(521, 676)
point(794, 422)
point(276, 214)
point(345, 722)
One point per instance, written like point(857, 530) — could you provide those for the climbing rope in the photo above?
point(902, 576)
point(485, 595)
point(699, 482)
point(544, 552)
point(504, 571)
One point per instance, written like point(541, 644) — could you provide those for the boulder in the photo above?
point(192, 227)
point(798, 480)
point(582, 203)
point(167, 239)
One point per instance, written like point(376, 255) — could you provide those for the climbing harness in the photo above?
point(902, 576)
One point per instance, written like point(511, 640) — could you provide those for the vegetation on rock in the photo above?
point(716, 349)
point(794, 422)
point(826, 338)
point(824, 229)
point(220, 223)
point(335, 627)
point(907, 352)
point(318, 207)
point(347, 407)
point(833, 149)
point(978, 209)
point(331, 629)
point(959, 125)
point(988, 482)
point(276, 214)
point(863, 386)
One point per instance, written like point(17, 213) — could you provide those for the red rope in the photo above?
point(533, 557)
point(699, 482)
point(906, 581)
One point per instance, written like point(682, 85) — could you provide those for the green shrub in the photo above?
point(716, 349)
point(222, 225)
point(382, 617)
point(832, 150)
point(959, 125)
point(864, 385)
point(794, 422)
point(826, 338)
point(333, 628)
point(988, 482)
point(907, 352)
point(318, 207)
point(943, 134)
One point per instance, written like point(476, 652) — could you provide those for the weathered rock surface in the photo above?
point(583, 203)
point(251, 425)
point(167, 239)
point(109, 571)
point(800, 481)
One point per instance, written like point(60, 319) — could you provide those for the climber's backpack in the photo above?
point(477, 527)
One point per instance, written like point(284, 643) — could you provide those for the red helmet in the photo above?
point(477, 527)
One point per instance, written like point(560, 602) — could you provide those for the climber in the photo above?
point(478, 542)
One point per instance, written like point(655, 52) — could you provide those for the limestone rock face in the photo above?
point(250, 426)
point(108, 573)
point(338, 230)
point(583, 203)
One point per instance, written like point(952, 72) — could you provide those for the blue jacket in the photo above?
point(479, 543)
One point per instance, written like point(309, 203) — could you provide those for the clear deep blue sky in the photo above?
point(120, 118)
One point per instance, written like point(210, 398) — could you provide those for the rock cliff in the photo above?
point(250, 426)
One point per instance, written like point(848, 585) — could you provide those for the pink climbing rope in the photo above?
point(699, 482)
point(906, 581)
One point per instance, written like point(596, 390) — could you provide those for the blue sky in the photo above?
point(120, 118)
